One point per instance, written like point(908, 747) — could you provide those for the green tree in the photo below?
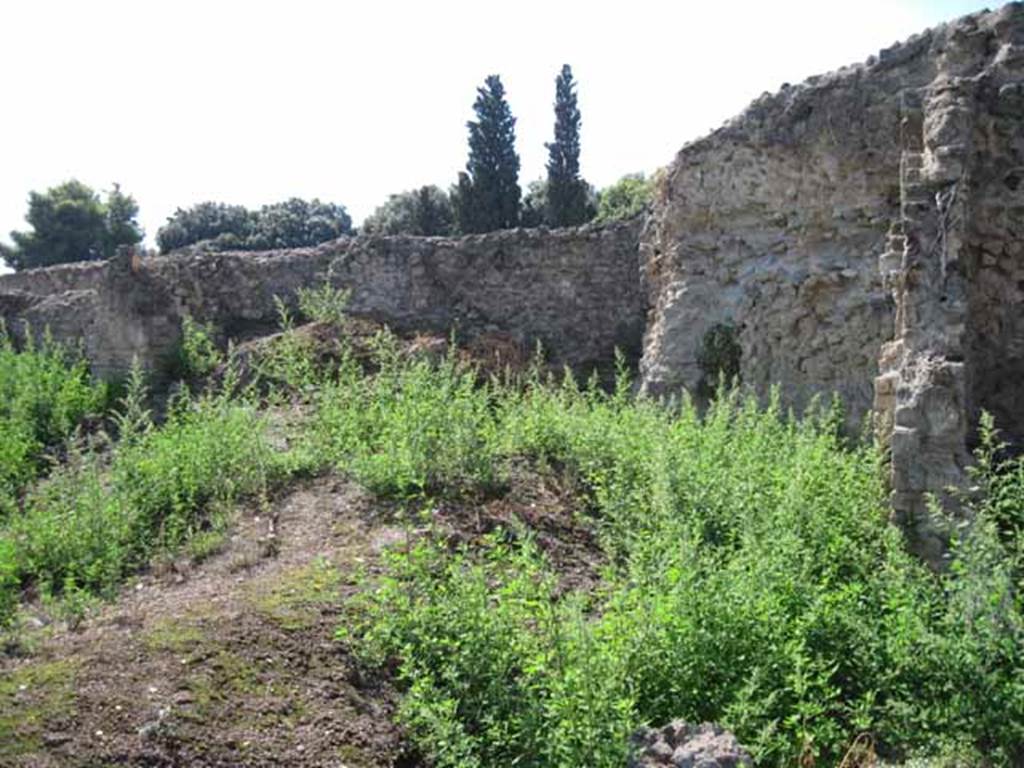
point(298, 223)
point(487, 195)
point(71, 222)
point(465, 204)
point(294, 223)
point(434, 214)
point(535, 204)
point(424, 211)
point(122, 220)
point(629, 196)
point(566, 191)
point(207, 221)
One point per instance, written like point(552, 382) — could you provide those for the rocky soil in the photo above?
point(228, 662)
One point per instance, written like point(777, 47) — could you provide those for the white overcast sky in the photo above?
point(253, 102)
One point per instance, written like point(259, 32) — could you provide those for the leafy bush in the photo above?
point(294, 223)
point(629, 196)
point(297, 223)
point(325, 304)
point(426, 211)
point(198, 354)
point(754, 581)
point(204, 221)
point(45, 392)
point(415, 428)
point(8, 582)
point(100, 516)
point(1001, 492)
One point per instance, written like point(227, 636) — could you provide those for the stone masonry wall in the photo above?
point(774, 224)
point(575, 291)
point(995, 244)
point(861, 231)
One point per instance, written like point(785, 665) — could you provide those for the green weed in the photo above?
point(324, 304)
point(45, 393)
point(102, 514)
point(198, 354)
point(414, 429)
point(756, 582)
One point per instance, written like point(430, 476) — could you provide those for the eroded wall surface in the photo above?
point(861, 232)
point(575, 291)
point(995, 243)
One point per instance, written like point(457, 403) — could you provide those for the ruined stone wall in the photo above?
point(861, 231)
point(774, 224)
point(995, 241)
point(576, 291)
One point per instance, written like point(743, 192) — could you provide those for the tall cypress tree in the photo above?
point(487, 195)
point(567, 192)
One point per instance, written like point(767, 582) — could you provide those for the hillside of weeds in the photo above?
point(753, 579)
point(750, 575)
point(45, 393)
point(124, 490)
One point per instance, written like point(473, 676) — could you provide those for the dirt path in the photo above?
point(227, 663)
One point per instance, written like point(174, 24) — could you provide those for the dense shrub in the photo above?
point(753, 580)
point(413, 429)
point(629, 196)
point(103, 513)
point(751, 576)
point(90, 524)
point(297, 223)
point(294, 223)
point(426, 211)
point(204, 221)
point(45, 392)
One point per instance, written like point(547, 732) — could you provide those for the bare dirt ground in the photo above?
point(232, 661)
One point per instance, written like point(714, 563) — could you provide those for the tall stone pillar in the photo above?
point(922, 391)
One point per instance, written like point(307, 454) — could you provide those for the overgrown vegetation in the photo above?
point(324, 304)
point(750, 576)
point(753, 579)
point(45, 392)
point(71, 222)
point(198, 354)
point(116, 500)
